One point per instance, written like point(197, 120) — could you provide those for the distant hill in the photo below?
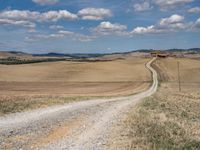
point(184, 50)
point(5, 54)
point(86, 55)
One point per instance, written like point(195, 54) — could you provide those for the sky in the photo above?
point(98, 26)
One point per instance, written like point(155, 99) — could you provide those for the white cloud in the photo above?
point(56, 35)
point(57, 15)
point(56, 27)
point(168, 4)
point(194, 10)
point(174, 19)
point(84, 38)
point(94, 13)
point(77, 36)
point(38, 37)
point(20, 14)
point(148, 30)
point(45, 2)
point(32, 30)
point(109, 26)
point(142, 6)
point(106, 28)
point(143, 30)
point(197, 23)
point(37, 16)
point(173, 23)
point(60, 35)
point(64, 32)
point(20, 23)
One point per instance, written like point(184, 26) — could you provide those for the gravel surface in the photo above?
point(81, 125)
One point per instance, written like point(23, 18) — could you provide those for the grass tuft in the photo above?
point(24, 103)
point(166, 122)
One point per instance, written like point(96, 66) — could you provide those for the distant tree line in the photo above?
point(15, 61)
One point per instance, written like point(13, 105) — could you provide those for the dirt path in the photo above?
point(81, 125)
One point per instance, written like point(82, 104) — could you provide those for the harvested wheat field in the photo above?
point(30, 82)
point(169, 119)
point(75, 78)
point(189, 73)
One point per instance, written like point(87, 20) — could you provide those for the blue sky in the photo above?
point(98, 26)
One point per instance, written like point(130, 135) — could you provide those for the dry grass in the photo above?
point(110, 71)
point(30, 86)
point(166, 122)
point(13, 104)
point(189, 71)
point(76, 78)
point(169, 119)
point(71, 88)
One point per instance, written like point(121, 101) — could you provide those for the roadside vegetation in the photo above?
point(24, 103)
point(168, 120)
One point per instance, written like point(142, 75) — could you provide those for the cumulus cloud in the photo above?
point(38, 37)
point(37, 16)
point(194, 10)
point(20, 14)
point(106, 28)
point(168, 4)
point(197, 23)
point(20, 23)
point(64, 32)
point(172, 20)
point(57, 15)
point(53, 16)
point(170, 24)
point(109, 26)
point(31, 30)
point(56, 27)
point(142, 6)
point(84, 38)
point(148, 30)
point(45, 2)
point(174, 23)
point(94, 13)
point(60, 35)
point(28, 19)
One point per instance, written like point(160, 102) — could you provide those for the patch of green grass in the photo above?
point(150, 103)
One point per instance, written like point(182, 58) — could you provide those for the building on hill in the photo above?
point(158, 53)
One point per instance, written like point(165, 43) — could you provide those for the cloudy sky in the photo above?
point(98, 26)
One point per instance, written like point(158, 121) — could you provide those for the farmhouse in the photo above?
point(159, 54)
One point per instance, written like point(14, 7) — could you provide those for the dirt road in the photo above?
point(81, 125)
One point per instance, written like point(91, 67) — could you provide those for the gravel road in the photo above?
point(78, 126)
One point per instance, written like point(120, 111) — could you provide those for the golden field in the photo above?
point(75, 78)
point(169, 119)
point(40, 84)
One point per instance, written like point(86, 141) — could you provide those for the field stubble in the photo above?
point(169, 119)
point(30, 86)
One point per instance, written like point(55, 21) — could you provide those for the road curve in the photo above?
point(80, 125)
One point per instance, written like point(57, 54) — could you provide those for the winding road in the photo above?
point(78, 126)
